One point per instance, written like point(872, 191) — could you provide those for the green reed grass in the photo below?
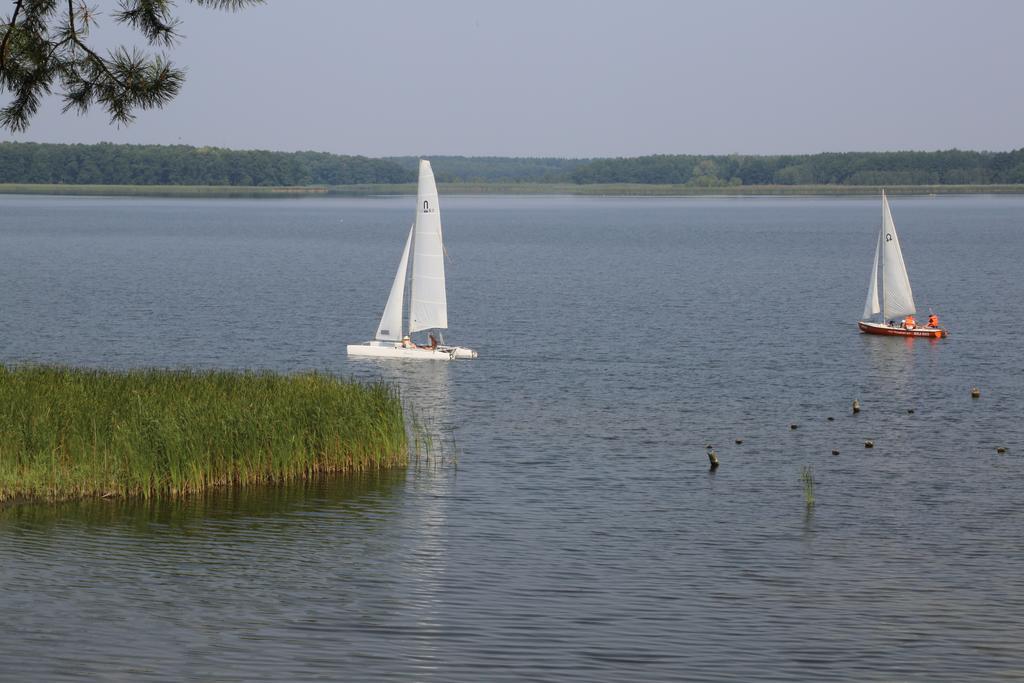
point(807, 479)
point(70, 433)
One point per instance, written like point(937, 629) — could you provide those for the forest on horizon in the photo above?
point(113, 164)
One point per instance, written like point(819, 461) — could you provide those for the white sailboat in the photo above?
point(428, 305)
point(889, 293)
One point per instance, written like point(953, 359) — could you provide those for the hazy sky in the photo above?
point(580, 79)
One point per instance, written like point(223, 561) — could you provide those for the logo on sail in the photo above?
point(888, 235)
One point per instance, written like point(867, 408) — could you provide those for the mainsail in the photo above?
point(390, 328)
point(428, 307)
point(898, 300)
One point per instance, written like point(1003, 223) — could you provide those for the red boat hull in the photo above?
point(881, 328)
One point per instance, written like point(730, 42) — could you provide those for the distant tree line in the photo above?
point(109, 164)
point(952, 167)
point(106, 164)
point(449, 169)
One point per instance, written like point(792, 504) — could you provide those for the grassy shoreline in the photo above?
point(183, 191)
point(71, 433)
point(449, 189)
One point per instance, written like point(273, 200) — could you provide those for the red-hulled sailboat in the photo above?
point(889, 293)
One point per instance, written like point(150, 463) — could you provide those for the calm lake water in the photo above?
point(565, 526)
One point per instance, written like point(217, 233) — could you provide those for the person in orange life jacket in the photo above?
point(933, 320)
point(909, 322)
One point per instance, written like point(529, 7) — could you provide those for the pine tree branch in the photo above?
point(230, 5)
point(7, 37)
point(39, 45)
point(151, 18)
point(97, 60)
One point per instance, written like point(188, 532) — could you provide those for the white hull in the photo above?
point(378, 349)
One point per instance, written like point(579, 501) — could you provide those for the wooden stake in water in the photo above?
point(713, 458)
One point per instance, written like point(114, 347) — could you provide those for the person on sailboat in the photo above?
point(407, 342)
point(433, 341)
point(909, 323)
point(933, 320)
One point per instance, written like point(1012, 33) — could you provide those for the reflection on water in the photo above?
point(425, 388)
point(170, 580)
point(892, 358)
point(222, 505)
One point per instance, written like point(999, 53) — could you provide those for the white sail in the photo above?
point(428, 307)
point(390, 328)
point(898, 299)
point(871, 306)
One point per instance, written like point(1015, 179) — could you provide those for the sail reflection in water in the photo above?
point(425, 392)
point(425, 389)
point(890, 362)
